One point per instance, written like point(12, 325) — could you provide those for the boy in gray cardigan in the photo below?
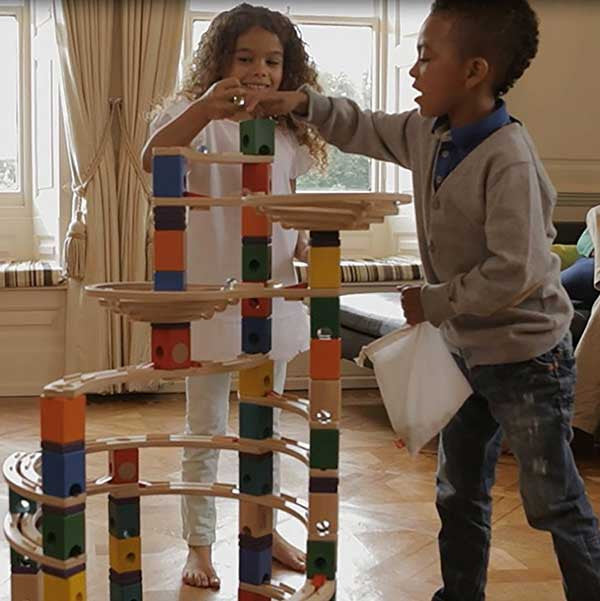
point(483, 205)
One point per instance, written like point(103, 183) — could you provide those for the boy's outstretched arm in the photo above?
point(518, 258)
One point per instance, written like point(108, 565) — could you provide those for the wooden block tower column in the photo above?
point(257, 137)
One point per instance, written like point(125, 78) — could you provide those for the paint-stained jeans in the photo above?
point(530, 403)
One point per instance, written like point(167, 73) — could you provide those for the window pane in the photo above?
point(10, 180)
point(355, 8)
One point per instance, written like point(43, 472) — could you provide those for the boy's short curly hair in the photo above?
point(504, 32)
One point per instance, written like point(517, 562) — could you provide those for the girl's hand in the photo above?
point(218, 100)
point(411, 303)
point(271, 104)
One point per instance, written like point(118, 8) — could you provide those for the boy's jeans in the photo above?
point(530, 402)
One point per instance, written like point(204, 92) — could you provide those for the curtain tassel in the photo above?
point(74, 249)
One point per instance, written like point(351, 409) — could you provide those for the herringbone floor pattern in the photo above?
point(388, 520)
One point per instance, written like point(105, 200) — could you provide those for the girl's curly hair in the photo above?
point(504, 32)
point(212, 57)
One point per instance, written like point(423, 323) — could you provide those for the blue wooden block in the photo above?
point(256, 334)
point(168, 176)
point(256, 474)
point(256, 421)
point(63, 474)
point(255, 566)
point(170, 281)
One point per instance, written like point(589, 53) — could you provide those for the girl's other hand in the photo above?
point(411, 303)
point(271, 104)
point(218, 100)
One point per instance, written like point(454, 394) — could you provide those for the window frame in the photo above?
point(379, 64)
point(21, 201)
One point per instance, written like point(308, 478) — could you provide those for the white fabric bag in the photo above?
point(421, 385)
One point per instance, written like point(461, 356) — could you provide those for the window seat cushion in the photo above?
point(30, 274)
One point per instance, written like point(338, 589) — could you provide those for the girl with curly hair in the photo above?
point(244, 50)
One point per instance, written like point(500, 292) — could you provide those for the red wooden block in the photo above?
point(171, 346)
point(256, 177)
point(169, 250)
point(124, 466)
point(248, 596)
point(325, 356)
point(62, 420)
point(257, 307)
point(254, 224)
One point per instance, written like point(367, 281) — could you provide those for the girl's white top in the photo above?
point(214, 240)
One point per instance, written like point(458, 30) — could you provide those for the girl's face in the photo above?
point(257, 60)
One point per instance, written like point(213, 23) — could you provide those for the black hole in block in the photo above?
point(160, 352)
point(245, 140)
point(254, 264)
point(321, 563)
point(75, 551)
point(75, 490)
point(264, 149)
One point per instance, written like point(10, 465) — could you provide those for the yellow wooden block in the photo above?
point(323, 515)
point(325, 400)
point(256, 381)
point(255, 520)
point(65, 589)
point(26, 587)
point(324, 267)
point(125, 554)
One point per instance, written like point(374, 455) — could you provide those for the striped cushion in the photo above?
point(387, 269)
point(30, 274)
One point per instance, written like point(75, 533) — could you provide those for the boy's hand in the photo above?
point(411, 303)
point(271, 104)
point(218, 100)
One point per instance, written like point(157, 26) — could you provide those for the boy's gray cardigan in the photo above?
point(493, 285)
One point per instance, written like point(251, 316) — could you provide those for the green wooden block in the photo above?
point(124, 518)
point(256, 262)
point(256, 473)
point(325, 317)
point(126, 592)
point(321, 558)
point(63, 534)
point(20, 563)
point(19, 504)
point(256, 421)
point(324, 449)
point(257, 136)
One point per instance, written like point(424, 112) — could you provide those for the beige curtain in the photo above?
point(84, 31)
point(151, 38)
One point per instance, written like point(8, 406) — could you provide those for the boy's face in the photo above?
point(439, 73)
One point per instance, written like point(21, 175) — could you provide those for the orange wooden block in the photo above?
point(171, 345)
point(256, 177)
point(62, 420)
point(254, 224)
point(325, 356)
point(257, 307)
point(248, 596)
point(124, 466)
point(169, 250)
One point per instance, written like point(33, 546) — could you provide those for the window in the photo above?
point(351, 70)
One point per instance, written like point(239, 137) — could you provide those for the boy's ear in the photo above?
point(477, 70)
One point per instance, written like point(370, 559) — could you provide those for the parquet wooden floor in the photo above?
point(388, 520)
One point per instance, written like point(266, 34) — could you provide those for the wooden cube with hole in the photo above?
point(171, 345)
point(256, 381)
point(324, 446)
point(170, 250)
point(256, 473)
point(124, 517)
point(325, 317)
point(256, 178)
point(255, 224)
point(69, 588)
point(257, 307)
point(323, 516)
point(26, 586)
point(257, 136)
point(324, 267)
point(125, 554)
point(63, 474)
point(62, 419)
point(321, 558)
point(325, 400)
point(325, 356)
point(63, 531)
point(256, 261)
point(123, 465)
point(255, 520)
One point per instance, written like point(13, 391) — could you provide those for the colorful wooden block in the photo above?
point(256, 421)
point(325, 400)
point(257, 307)
point(324, 448)
point(169, 218)
point(256, 473)
point(126, 591)
point(321, 558)
point(123, 466)
point(124, 517)
point(256, 381)
point(257, 136)
point(324, 267)
point(63, 474)
point(19, 504)
point(256, 334)
point(63, 531)
point(256, 177)
point(19, 564)
point(325, 356)
point(325, 317)
point(255, 224)
point(255, 520)
point(171, 344)
point(65, 589)
point(62, 419)
point(250, 596)
point(26, 587)
point(323, 515)
point(170, 250)
point(168, 176)
point(255, 566)
point(256, 262)
point(170, 281)
point(320, 238)
point(125, 554)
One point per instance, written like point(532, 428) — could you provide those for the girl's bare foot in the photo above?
point(198, 570)
point(288, 555)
